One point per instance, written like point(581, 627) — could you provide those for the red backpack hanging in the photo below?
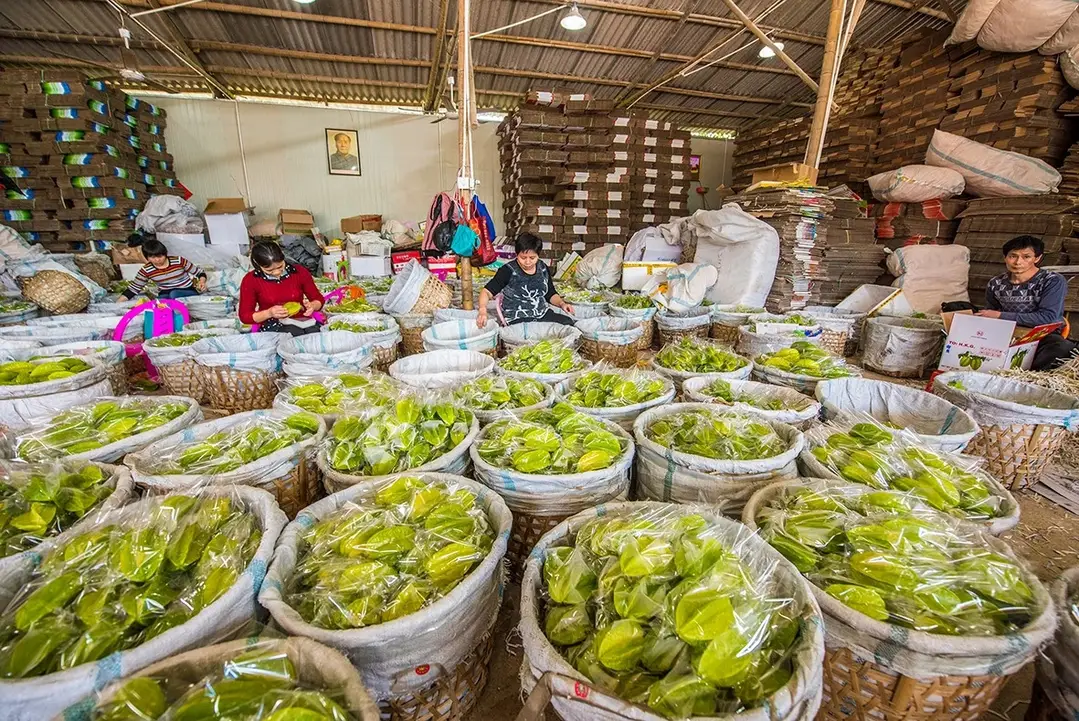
point(481, 222)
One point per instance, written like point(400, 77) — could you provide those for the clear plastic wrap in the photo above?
point(634, 301)
point(363, 324)
point(377, 559)
point(546, 358)
point(605, 388)
point(797, 319)
point(675, 611)
point(355, 305)
point(502, 393)
point(774, 403)
point(806, 360)
point(332, 396)
point(48, 375)
point(710, 433)
point(693, 355)
point(888, 557)
point(860, 450)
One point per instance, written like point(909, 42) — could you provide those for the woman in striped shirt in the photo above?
point(175, 276)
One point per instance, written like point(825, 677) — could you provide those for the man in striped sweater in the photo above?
point(175, 276)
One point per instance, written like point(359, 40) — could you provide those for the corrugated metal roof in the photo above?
point(286, 49)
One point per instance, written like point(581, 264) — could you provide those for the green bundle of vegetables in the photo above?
point(869, 454)
point(397, 438)
point(583, 295)
point(356, 305)
point(634, 301)
point(15, 305)
point(716, 435)
point(547, 356)
point(259, 684)
point(690, 354)
point(120, 585)
point(339, 394)
point(176, 340)
point(87, 428)
point(20, 373)
point(601, 389)
point(374, 284)
point(655, 609)
point(341, 324)
point(380, 558)
point(493, 393)
point(805, 359)
point(552, 442)
point(748, 309)
point(38, 501)
point(906, 567)
point(721, 390)
point(228, 450)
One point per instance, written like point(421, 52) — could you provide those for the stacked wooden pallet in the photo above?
point(79, 159)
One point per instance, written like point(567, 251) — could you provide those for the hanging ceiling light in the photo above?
point(304, 2)
point(573, 20)
point(767, 52)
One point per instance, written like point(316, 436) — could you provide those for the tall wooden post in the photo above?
point(465, 114)
point(826, 85)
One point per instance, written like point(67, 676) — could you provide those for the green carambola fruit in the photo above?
point(547, 357)
point(690, 354)
point(613, 390)
point(556, 442)
point(499, 392)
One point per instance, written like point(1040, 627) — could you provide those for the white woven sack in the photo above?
point(996, 401)
point(680, 377)
point(549, 495)
point(798, 700)
point(1064, 38)
point(108, 352)
point(916, 184)
point(94, 374)
point(414, 651)
point(836, 320)
point(327, 353)
point(583, 310)
point(671, 476)
point(105, 325)
point(442, 368)
point(548, 378)
point(930, 275)
point(971, 21)
point(805, 384)
point(936, 422)
point(753, 345)
point(11, 349)
point(209, 307)
point(1069, 65)
point(692, 391)
point(640, 315)
point(52, 335)
point(698, 317)
point(530, 333)
point(462, 334)
point(687, 286)
point(990, 172)
point(234, 324)
point(117, 308)
point(729, 315)
point(406, 288)
point(257, 473)
point(624, 416)
point(251, 352)
point(19, 317)
point(1058, 667)
point(600, 268)
point(19, 413)
point(444, 314)
point(926, 656)
point(115, 451)
point(166, 355)
point(605, 329)
point(389, 336)
point(225, 282)
point(41, 697)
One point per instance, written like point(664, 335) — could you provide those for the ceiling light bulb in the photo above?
point(767, 52)
point(304, 2)
point(573, 20)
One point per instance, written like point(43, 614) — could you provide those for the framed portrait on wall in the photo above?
point(343, 151)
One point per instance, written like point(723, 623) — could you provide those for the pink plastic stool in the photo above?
point(163, 322)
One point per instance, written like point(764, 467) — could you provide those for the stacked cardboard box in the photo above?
point(1069, 172)
point(934, 222)
point(658, 154)
point(531, 147)
point(79, 160)
point(987, 224)
point(851, 257)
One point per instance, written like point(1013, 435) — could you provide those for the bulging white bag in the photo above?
point(990, 172)
point(743, 249)
point(916, 184)
point(687, 287)
point(326, 353)
point(931, 274)
point(601, 268)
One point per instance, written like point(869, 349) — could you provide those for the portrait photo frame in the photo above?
point(343, 151)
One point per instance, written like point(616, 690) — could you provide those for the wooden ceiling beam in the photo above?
point(433, 78)
point(178, 38)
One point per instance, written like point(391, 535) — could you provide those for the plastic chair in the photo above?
point(159, 317)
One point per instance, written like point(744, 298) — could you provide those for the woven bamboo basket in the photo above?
point(117, 375)
point(526, 531)
point(236, 391)
point(434, 294)
point(452, 697)
point(298, 490)
point(1017, 455)
point(412, 341)
point(385, 356)
point(412, 327)
point(670, 335)
point(94, 271)
point(621, 356)
point(492, 352)
point(58, 293)
point(183, 379)
point(724, 333)
point(648, 328)
point(835, 341)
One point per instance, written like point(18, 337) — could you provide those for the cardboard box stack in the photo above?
point(851, 256)
point(987, 224)
point(79, 159)
point(658, 154)
point(1069, 172)
point(934, 222)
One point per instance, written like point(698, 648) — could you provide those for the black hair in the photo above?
point(1025, 241)
point(527, 241)
point(266, 254)
point(154, 248)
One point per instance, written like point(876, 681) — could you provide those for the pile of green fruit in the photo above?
point(378, 559)
point(690, 354)
point(176, 340)
point(38, 501)
point(909, 568)
point(87, 428)
point(721, 390)
point(356, 305)
point(717, 435)
point(583, 295)
point(340, 324)
point(547, 357)
point(805, 359)
point(493, 393)
point(228, 450)
point(374, 284)
point(599, 389)
point(406, 435)
point(551, 442)
point(656, 610)
point(340, 394)
point(15, 305)
point(20, 373)
point(634, 301)
point(747, 309)
point(873, 456)
point(118, 586)
point(790, 319)
point(260, 684)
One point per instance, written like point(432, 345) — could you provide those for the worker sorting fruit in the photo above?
point(279, 296)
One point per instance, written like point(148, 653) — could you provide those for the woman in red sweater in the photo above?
point(273, 282)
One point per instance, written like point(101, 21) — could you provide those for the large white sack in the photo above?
point(931, 274)
point(1064, 38)
point(743, 249)
point(989, 172)
point(1019, 26)
point(17, 413)
point(602, 268)
point(1069, 65)
point(326, 353)
point(916, 184)
point(971, 21)
point(444, 368)
point(687, 287)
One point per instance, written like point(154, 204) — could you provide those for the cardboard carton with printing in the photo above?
point(984, 344)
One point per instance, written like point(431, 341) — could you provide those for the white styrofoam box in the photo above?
point(360, 265)
point(636, 275)
point(128, 271)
